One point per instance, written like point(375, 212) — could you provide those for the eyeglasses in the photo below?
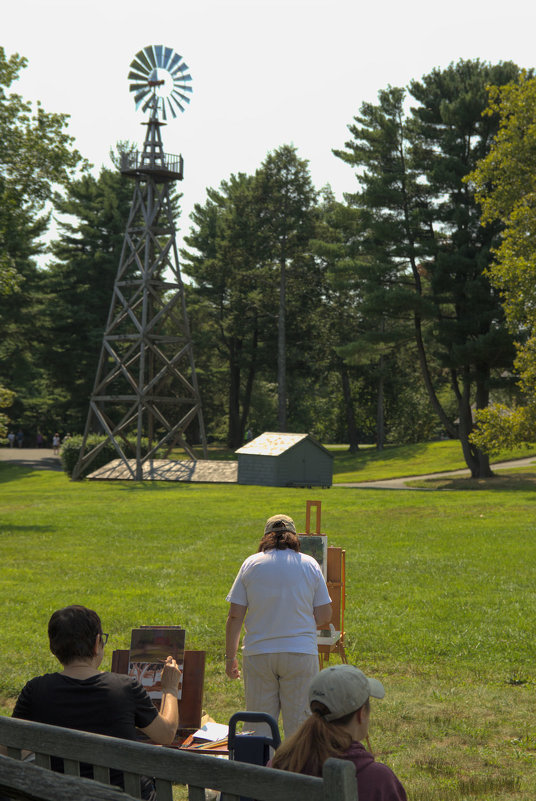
point(104, 638)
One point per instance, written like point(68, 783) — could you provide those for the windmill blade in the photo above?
point(138, 76)
point(158, 54)
point(168, 52)
point(135, 86)
point(140, 68)
point(149, 51)
point(175, 101)
point(180, 87)
point(142, 60)
point(171, 109)
point(180, 68)
point(174, 61)
point(178, 96)
point(139, 97)
point(183, 81)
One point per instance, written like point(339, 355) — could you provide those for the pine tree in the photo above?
point(286, 201)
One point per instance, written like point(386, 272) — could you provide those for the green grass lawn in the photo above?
point(441, 604)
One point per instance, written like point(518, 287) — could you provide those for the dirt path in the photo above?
point(36, 458)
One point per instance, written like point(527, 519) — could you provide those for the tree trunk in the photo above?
point(349, 409)
point(249, 384)
point(281, 352)
point(476, 460)
point(234, 437)
point(482, 400)
point(425, 372)
point(380, 421)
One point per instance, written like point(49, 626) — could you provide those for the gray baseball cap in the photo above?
point(343, 689)
point(279, 523)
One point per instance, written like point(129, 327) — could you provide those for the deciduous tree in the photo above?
point(505, 185)
point(36, 158)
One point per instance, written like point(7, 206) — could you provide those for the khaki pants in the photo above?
point(279, 682)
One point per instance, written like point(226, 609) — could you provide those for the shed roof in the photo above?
point(274, 443)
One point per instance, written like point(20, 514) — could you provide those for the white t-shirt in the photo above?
point(280, 590)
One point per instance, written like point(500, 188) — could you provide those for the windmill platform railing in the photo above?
point(169, 165)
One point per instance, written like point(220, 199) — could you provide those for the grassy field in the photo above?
point(441, 604)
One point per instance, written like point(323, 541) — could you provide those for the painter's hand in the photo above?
point(231, 668)
point(171, 676)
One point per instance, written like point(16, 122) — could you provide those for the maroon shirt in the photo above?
point(375, 781)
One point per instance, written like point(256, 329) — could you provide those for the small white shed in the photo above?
point(285, 460)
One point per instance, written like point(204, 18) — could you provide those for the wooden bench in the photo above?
point(26, 782)
point(168, 766)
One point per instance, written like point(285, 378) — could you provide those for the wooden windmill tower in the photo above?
point(146, 385)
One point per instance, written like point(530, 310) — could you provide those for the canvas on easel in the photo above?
point(317, 547)
point(149, 648)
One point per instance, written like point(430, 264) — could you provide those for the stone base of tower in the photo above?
point(208, 471)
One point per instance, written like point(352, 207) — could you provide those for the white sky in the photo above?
point(265, 72)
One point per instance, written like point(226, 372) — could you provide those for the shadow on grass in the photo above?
point(149, 486)
point(345, 462)
point(14, 472)
point(14, 528)
point(512, 481)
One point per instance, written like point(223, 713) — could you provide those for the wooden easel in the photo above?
point(336, 581)
point(193, 677)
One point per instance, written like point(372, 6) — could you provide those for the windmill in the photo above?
point(146, 385)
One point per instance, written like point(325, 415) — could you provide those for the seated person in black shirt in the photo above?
point(83, 697)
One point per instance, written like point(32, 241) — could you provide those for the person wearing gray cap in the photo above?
point(281, 597)
point(339, 701)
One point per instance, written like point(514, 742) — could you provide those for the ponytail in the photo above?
point(315, 741)
point(279, 540)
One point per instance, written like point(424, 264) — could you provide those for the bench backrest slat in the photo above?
point(132, 783)
point(42, 760)
point(101, 774)
point(164, 790)
point(196, 793)
point(71, 767)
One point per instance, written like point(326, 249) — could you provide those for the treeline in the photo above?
point(368, 320)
